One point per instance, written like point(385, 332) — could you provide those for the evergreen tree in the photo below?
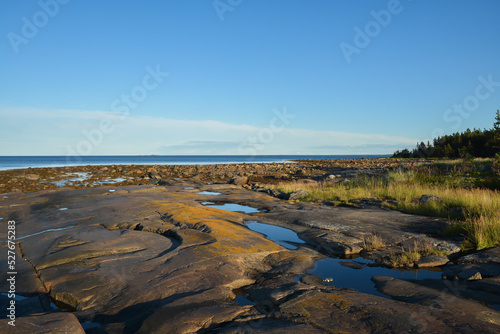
point(471, 143)
point(496, 126)
point(496, 134)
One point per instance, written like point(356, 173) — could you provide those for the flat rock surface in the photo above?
point(154, 259)
point(51, 323)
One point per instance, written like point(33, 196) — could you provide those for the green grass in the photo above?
point(479, 223)
point(409, 257)
point(405, 258)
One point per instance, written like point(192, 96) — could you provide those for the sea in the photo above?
point(19, 162)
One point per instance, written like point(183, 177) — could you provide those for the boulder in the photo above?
point(297, 195)
point(274, 192)
point(425, 199)
point(32, 177)
point(300, 172)
point(154, 175)
point(238, 180)
point(491, 255)
point(311, 279)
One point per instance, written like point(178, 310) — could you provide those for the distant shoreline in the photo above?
point(24, 162)
point(40, 178)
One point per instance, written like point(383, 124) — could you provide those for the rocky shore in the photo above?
point(23, 180)
point(154, 249)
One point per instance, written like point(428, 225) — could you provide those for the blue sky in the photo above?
point(243, 77)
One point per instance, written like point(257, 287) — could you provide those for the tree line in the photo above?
point(471, 143)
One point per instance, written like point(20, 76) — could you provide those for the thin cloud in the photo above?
point(46, 132)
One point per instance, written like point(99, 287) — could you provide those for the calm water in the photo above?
point(10, 162)
point(332, 270)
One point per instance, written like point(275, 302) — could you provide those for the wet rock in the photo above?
point(431, 261)
point(352, 265)
point(345, 308)
point(333, 243)
point(464, 314)
point(310, 279)
point(453, 271)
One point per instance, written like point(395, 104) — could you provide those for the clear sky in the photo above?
point(243, 76)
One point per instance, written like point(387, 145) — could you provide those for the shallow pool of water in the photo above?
point(16, 296)
point(88, 325)
point(232, 207)
point(282, 236)
point(335, 272)
point(240, 299)
point(81, 177)
point(72, 177)
point(210, 193)
point(345, 273)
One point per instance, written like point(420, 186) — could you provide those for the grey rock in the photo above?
point(311, 279)
point(238, 180)
point(298, 194)
point(154, 175)
point(491, 255)
point(432, 261)
point(61, 322)
point(274, 192)
point(300, 172)
point(425, 199)
point(353, 265)
point(453, 271)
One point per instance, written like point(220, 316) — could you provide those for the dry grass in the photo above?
point(373, 242)
point(481, 224)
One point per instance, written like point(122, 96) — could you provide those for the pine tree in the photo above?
point(496, 134)
point(496, 126)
